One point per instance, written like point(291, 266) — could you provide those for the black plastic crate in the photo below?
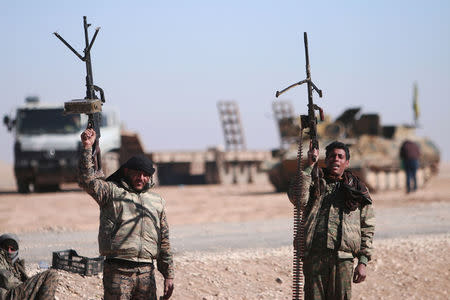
point(69, 260)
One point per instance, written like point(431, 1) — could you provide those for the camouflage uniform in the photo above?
point(16, 285)
point(133, 233)
point(334, 235)
point(125, 281)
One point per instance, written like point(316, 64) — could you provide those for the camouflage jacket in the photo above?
point(351, 231)
point(133, 226)
point(11, 274)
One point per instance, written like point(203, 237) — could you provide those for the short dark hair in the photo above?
point(337, 145)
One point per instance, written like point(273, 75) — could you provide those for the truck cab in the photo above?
point(47, 143)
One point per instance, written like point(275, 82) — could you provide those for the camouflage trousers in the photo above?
point(127, 280)
point(327, 277)
point(41, 286)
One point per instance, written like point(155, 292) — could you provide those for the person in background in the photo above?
point(410, 154)
point(14, 282)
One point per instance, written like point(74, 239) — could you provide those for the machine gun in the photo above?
point(91, 104)
point(307, 121)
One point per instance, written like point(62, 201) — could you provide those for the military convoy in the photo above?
point(46, 144)
point(374, 149)
point(47, 141)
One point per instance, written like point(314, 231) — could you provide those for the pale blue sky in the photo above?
point(165, 64)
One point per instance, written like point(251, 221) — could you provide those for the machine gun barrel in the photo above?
point(308, 69)
point(311, 119)
point(307, 121)
point(91, 105)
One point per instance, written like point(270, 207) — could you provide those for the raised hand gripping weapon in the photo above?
point(91, 104)
point(307, 121)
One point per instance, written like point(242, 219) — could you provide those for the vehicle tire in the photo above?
point(23, 186)
point(46, 188)
point(110, 163)
point(277, 180)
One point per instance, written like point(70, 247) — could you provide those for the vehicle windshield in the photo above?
point(33, 121)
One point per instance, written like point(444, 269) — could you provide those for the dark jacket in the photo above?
point(410, 150)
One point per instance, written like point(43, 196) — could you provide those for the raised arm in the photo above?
point(92, 182)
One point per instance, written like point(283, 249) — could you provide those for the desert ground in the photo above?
point(234, 242)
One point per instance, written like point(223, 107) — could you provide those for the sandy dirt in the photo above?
point(410, 267)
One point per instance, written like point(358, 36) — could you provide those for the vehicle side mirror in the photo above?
point(8, 122)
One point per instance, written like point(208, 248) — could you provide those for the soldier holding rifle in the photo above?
point(333, 214)
point(339, 226)
point(133, 233)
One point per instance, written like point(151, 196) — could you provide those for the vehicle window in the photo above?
point(33, 121)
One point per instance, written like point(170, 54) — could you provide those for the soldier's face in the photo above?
point(137, 179)
point(8, 247)
point(336, 162)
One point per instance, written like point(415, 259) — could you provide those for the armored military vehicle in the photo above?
point(47, 143)
point(374, 150)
